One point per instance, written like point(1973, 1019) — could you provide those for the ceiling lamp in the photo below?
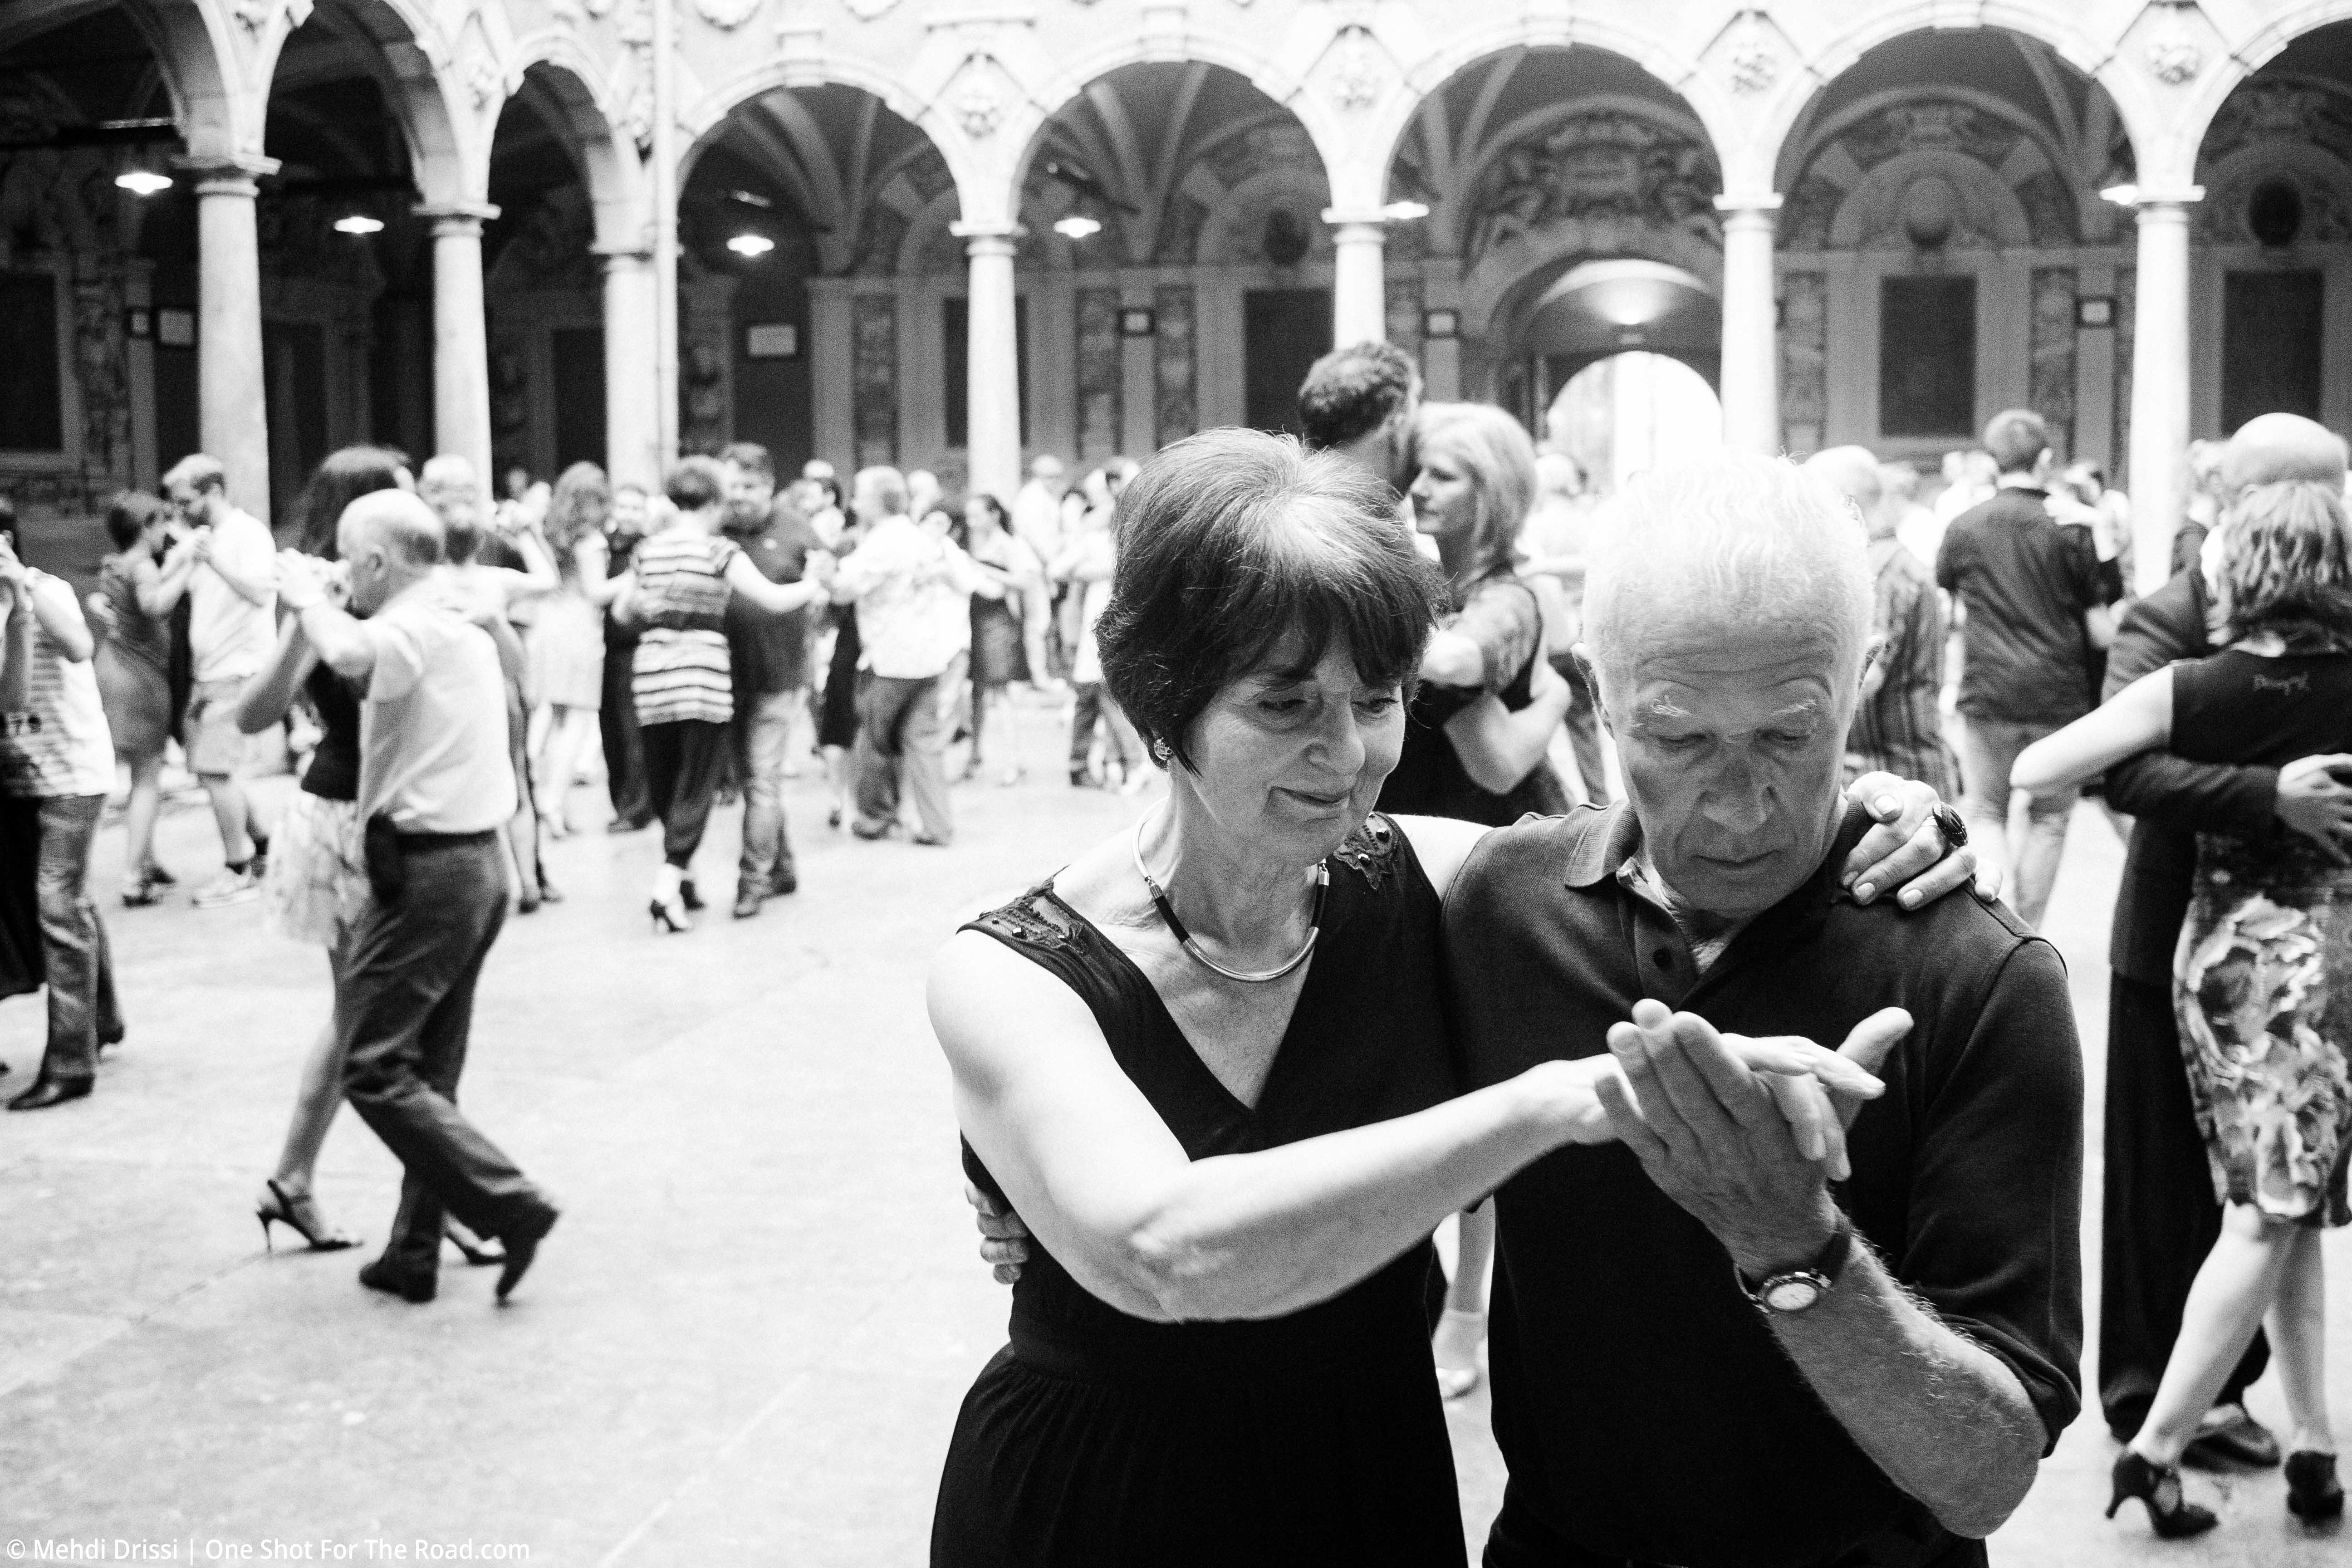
point(143, 181)
point(1077, 226)
point(748, 245)
point(358, 223)
point(1404, 212)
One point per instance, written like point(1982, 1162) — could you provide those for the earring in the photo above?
point(1161, 753)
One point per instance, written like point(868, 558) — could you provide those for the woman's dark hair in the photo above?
point(2286, 566)
point(127, 515)
point(342, 477)
point(694, 483)
point(1232, 542)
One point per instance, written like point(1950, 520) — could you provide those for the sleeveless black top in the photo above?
point(1429, 779)
point(1096, 1438)
point(334, 770)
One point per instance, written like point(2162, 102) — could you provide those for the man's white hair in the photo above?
point(1730, 539)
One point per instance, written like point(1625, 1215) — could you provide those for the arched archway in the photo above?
point(814, 229)
point(1532, 163)
point(2274, 232)
point(1941, 221)
point(1178, 265)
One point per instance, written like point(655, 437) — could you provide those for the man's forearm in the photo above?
point(343, 647)
point(1945, 1418)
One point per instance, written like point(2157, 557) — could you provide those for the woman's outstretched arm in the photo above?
point(2136, 719)
point(1105, 1186)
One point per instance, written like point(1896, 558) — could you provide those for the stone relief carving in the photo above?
point(255, 15)
point(2280, 111)
point(1804, 361)
point(1358, 70)
point(2048, 202)
point(1099, 374)
point(1174, 370)
point(1597, 165)
point(866, 10)
point(727, 14)
point(2050, 390)
point(1754, 67)
point(2174, 58)
point(873, 377)
point(980, 109)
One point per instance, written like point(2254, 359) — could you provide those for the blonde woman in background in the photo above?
point(567, 641)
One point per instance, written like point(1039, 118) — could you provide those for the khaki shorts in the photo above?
point(215, 746)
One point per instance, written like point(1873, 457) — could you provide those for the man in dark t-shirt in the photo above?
point(2032, 597)
point(1704, 1353)
point(771, 656)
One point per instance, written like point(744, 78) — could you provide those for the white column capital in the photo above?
point(623, 257)
point(1755, 209)
point(2146, 199)
point(456, 217)
point(219, 176)
point(988, 238)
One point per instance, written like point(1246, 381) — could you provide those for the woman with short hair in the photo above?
point(2262, 983)
point(676, 591)
point(1207, 1061)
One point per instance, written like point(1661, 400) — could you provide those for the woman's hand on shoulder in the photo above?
point(1908, 852)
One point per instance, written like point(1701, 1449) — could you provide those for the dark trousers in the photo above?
point(1521, 1539)
point(76, 964)
point(902, 739)
point(617, 722)
point(404, 1007)
point(2159, 1215)
point(682, 762)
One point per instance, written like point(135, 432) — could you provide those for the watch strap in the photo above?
point(1829, 1263)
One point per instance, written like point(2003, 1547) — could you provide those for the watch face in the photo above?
point(1792, 1292)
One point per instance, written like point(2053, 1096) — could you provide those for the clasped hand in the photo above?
point(1742, 1133)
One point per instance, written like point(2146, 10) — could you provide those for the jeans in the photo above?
point(1989, 749)
point(405, 1010)
point(76, 964)
point(900, 731)
point(683, 759)
point(763, 734)
point(625, 748)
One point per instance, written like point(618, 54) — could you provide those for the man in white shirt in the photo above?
point(436, 785)
point(232, 632)
point(913, 587)
point(1038, 506)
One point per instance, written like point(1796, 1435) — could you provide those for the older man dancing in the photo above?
point(1704, 1353)
point(434, 787)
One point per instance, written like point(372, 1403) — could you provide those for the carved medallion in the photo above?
point(980, 109)
point(727, 14)
point(1357, 71)
point(2174, 58)
point(1754, 67)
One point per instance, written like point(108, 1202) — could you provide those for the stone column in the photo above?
point(991, 360)
point(2159, 390)
point(1359, 299)
point(232, 419)
point(631, 392)
point(1751, 334)
point(461, 353)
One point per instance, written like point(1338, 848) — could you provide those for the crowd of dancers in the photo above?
point(1374, 654)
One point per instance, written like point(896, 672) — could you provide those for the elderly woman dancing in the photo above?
point(1208, 1063)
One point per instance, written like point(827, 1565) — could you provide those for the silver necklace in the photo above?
point(1184, 937)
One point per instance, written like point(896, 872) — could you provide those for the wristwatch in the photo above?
point(1799, 1290)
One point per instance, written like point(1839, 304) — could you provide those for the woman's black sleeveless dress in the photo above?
point(1429, 779)
point(1100, 1441)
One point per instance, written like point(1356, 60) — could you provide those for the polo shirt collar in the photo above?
point(1601, 849)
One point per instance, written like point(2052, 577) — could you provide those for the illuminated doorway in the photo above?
point(1625, 414)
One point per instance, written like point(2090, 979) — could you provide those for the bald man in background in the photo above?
point(2160, 1214)
point(1899, 727)
point(436, 787)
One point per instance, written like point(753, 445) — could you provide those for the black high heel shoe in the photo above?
point(298, 1213)
point(688, 896)
point(2174, 1517)
point(479, 1250)
point(670, 917)
point(2313, 1492)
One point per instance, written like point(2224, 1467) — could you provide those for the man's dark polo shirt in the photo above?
point(1643, 1404)
point(771, 652)
point(2026, 656)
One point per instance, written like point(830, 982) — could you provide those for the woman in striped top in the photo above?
point(676, 590)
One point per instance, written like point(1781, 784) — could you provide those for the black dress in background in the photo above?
point(1430, 780)
point(1097, 1438)
point(836, 723)
point(616, 720)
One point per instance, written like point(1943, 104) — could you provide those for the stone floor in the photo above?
point(747, 1340)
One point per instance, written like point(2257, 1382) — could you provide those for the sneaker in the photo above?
point(238, 885)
